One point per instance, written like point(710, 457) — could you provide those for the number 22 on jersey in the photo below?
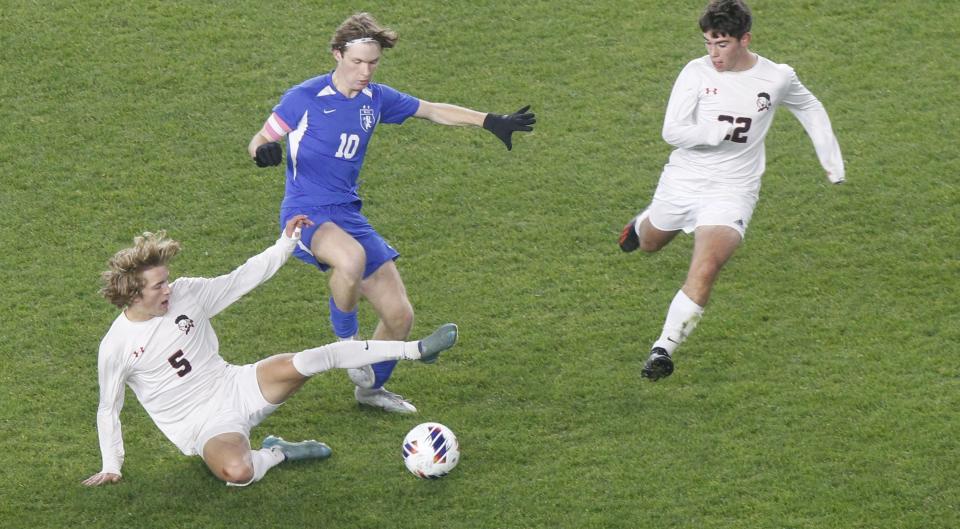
point(738, 134)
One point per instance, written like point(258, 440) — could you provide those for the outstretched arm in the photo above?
point(501, 125)
point(218, 293)
point(447, 114)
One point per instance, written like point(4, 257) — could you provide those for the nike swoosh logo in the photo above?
point(329, 110)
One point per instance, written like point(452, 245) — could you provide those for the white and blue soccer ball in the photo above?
point(430, 450)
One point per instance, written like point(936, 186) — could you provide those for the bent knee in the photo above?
point(348, 259)
point(351, 268)
point(399, 319)
point(238, 472)
point(402, 319)
point(650, 246)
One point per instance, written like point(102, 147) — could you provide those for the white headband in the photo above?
point(361, 40)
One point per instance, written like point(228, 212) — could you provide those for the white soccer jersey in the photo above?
point(173, 363)
point(718, 121)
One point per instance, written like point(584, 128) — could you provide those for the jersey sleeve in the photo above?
point(287, 113)
point(111, 374)
point(680, 126)
point(218, 293)
point(275, 128)
point(396, 106)
point(811, 114)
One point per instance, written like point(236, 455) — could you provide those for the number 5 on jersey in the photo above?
point(179, 362)
point(349, 143)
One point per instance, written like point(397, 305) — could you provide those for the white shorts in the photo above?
point(686, 201)
point(242, 406)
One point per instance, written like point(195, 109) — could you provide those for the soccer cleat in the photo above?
point(442, 339)
point(363, 377)
point(295, 451)
point(383, 399)
point(659, 365)
point(629, 240)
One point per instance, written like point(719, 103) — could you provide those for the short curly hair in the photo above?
point(723, 18)
point(123, 280)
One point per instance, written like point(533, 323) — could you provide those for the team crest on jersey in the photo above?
point(763, 102)
point(184, 323)
point(367, 118)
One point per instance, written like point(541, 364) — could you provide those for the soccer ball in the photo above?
point(430, 450)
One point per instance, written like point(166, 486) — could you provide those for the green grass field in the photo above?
point(820, 391)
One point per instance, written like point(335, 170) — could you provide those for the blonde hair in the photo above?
point(362, 26)
point(123, 281)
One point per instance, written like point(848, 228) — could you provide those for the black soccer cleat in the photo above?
point(659, 365)
point(629, 240)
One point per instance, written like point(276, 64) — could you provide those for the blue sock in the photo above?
point(383, 370)
point(345, 324)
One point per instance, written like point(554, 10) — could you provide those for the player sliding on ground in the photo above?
point(719, 112)
point(163, 346)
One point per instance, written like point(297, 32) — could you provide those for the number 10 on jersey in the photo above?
point(348, 146)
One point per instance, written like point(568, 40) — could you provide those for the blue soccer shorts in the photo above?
point(348, 218)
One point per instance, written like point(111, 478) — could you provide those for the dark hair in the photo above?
point(723, 18)
point(359, 26)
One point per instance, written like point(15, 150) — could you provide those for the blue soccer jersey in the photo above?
point(327, 137)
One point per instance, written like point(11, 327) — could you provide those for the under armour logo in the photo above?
point(711, 91)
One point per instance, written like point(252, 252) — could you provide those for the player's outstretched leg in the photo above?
point(658, 365)
point(442, 339)
point(429, 349)
point(295, 451)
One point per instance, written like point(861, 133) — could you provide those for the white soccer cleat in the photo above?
point(363, 377)
point(383, 399)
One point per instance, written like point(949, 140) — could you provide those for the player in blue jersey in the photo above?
point(328, 122)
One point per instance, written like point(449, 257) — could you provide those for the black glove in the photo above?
point(268, 154)
point(504, 125)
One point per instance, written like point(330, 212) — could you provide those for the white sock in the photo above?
point(682, 318)
point(352, 354)
point(263, 460)
point(640, 217)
